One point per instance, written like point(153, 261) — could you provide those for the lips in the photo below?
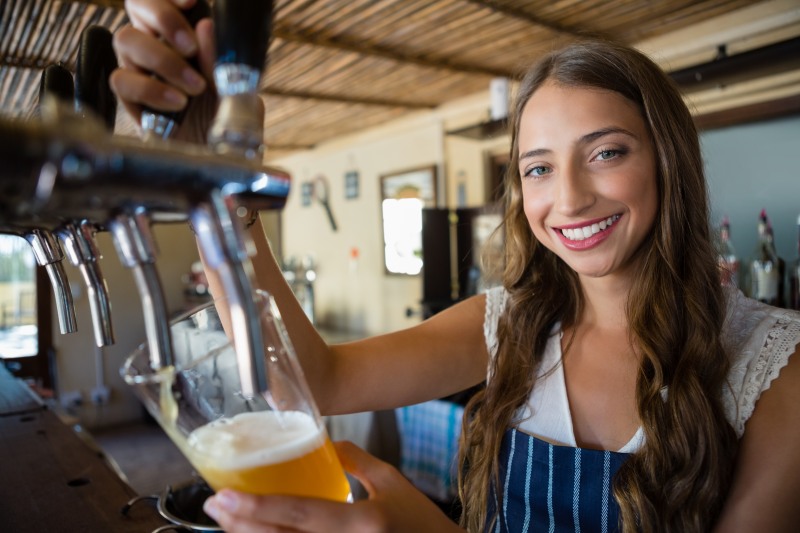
point(588, 234)
point(584, 232)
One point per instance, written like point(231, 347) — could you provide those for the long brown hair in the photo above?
point(678, 480)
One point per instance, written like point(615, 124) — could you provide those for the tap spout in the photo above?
point(49, 255)
point(224, 246)
point(82, 251)
point(137, 250)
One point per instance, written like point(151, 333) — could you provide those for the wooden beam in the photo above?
point(307, 95)
point(524, 16)
point(359, 47)
point(782, 107)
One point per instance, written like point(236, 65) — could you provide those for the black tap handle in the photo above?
point(57, 81)
point(194, 14)
point(96, 61)
point(243, 29)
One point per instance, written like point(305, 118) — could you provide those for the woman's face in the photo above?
point(588, 172)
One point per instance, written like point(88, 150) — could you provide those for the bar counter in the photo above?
point(52, 478)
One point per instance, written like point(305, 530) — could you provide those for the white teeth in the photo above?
point(579, 234)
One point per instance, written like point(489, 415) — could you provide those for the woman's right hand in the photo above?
point(153, 53)
point(394, 504)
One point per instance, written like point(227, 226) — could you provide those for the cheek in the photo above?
point(536, 207)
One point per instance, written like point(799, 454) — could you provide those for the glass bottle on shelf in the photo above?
point(781, 267)
point(728, 261)
point(794, 275)
point(764, 273)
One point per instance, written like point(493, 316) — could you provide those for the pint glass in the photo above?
point(274, 443)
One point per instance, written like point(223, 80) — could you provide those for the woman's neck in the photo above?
point(605, 300)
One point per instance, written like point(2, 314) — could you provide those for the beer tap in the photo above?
point(137, 250)
point(242, 31)
point(76, 171)
point(94, 100)
point(81, 249)
point(55, 88)
point(49, 255)
point(133, 239)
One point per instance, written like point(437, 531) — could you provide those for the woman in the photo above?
point(624, 385)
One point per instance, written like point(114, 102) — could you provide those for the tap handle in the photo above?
point(56, 81)
point(164, 124)
point(96, 61)
point(243, 29)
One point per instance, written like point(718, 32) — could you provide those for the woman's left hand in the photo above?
point(393, 505)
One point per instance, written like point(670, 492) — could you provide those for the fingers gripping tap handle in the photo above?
point(163, 124)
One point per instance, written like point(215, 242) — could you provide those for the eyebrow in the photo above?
point(589, 137)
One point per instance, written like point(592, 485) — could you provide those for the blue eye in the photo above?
point(537, 171)
point(607, 154)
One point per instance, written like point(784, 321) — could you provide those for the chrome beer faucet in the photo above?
point(81, 249)
point(49, 255)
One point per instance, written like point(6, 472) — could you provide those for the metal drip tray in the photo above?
point(182, 506)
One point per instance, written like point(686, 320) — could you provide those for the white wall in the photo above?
point(357, 295)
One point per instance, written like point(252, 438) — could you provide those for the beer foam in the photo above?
point(255, 439)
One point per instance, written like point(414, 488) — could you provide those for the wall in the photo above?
point(754, 166)
point(353, 292)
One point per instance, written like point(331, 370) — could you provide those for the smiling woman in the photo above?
point(597, 167)
point(625, 389)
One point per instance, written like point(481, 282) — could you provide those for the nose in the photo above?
point(573, 192)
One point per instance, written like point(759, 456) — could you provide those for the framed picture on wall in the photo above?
point(403, 195)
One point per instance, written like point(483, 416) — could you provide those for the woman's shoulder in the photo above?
point(760, 339)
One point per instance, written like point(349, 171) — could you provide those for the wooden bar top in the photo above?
point(51, 479)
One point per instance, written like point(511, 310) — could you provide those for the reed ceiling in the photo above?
point(340, 66)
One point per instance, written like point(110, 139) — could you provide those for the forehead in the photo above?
point(557, 112)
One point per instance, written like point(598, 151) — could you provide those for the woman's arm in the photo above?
point(443, 355)
point(765, 495)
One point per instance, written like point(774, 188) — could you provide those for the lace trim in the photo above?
point(779, 344)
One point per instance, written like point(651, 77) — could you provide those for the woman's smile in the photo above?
point(585, 235)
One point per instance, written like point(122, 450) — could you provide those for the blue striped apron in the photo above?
point(554, 488)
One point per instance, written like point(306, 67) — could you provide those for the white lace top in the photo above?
point(759, 337)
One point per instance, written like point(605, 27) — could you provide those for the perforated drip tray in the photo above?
point(182, 506)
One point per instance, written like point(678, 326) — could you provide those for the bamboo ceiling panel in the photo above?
point(340, 66)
